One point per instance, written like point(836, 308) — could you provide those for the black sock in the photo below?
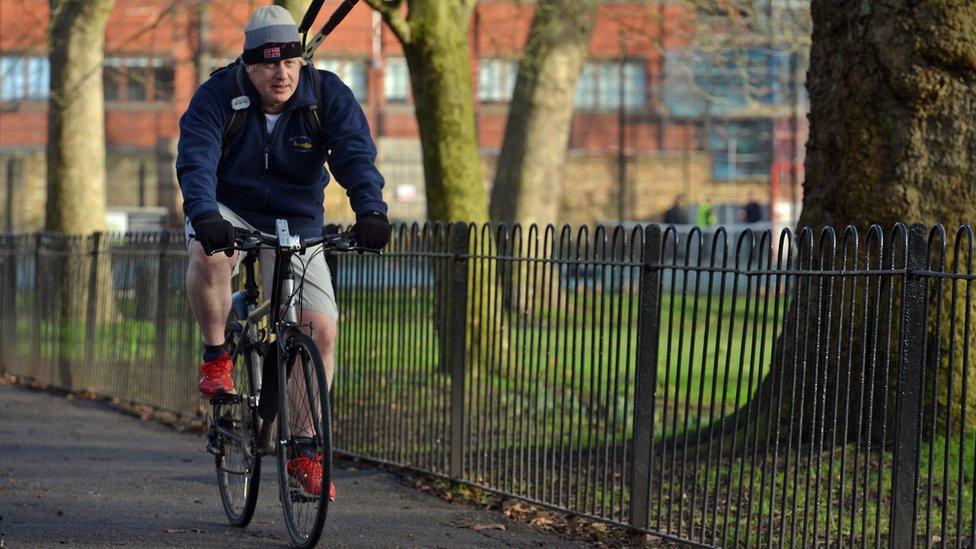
point(211, 352)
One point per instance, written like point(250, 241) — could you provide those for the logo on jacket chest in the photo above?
point(300, 143)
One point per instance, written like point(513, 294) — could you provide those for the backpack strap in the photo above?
point(313, 113)
point(239, 104)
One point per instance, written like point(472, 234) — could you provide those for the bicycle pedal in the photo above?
point(226, 398)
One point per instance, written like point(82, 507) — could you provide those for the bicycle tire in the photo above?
point(238, 478)
point(305, 512)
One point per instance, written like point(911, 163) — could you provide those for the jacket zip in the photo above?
point(269, 139)
point(264, 174)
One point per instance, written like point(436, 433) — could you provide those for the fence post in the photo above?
point(38, 314)
point(908, 395)
point(457, 331)
point(10, 252)
point(90, 314)
point(162, 299)
point(645, 375)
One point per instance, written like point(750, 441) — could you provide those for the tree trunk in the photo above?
point(297, 9)
point(528, 179)
point(528, 182)
point(76, 129)
point(891, 139)
point(440, 77)
point(76, 155)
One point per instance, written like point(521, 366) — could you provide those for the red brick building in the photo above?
point(156, 51)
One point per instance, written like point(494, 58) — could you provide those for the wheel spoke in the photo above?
point(238, 469)
point(306, 418)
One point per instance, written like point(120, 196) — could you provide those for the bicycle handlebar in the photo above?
point(246, 240)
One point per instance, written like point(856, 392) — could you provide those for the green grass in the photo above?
point(839, 496)
point(577, 369)
point(133, 339)
point(126, 362)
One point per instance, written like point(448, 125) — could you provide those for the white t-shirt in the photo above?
point(271, 119)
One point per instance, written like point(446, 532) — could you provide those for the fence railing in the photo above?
point(745, 389)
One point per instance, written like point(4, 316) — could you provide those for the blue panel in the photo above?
point(11, 78)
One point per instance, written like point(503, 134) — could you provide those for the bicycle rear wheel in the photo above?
point(304, 409)
point(235, 426)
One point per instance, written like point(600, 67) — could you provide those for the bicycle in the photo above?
point(264, 349)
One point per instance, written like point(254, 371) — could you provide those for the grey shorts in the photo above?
point(317, 293)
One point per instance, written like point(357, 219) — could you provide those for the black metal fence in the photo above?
point(743, 389)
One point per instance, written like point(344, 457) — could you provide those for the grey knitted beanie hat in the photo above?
point(270, 35)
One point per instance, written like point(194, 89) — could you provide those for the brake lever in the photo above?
point(222, 250)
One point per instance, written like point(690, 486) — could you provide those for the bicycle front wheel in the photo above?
point(234, 424)
point(304, 447)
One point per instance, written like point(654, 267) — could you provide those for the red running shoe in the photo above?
point(215, 377)
point(307, 472)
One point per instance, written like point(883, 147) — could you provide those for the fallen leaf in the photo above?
point(541, 521)
point(477, 527)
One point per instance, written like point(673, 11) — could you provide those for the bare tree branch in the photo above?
point(390, 10)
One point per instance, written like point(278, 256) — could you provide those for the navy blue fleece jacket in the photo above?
point(278, 175)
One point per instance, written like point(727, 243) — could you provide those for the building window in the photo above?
point(396, 79)
point(351, 71)
point(496, 80)
point(137, 79)
point(585, 97)
point(730, 81)
point(24, 77)
point(741, 150)
point(599, 86)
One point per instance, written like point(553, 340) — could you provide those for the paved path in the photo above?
point(73, 472)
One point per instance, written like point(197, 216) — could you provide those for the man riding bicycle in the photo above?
point(252, 148)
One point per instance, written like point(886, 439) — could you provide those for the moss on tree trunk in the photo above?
point(434, 37)
point(440, 77)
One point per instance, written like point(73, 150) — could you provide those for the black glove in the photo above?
point(214, 232)
point(372, 230)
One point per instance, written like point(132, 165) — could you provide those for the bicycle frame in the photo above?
point(252, 312)
point(282, 288)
